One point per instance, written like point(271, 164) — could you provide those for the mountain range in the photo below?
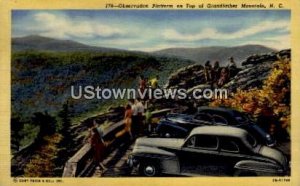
point(216, 53)
point(36, 42)
point(198, 55)
point(44, 69)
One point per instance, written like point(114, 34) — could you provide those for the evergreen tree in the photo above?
point(66, 144)
point(46, 123)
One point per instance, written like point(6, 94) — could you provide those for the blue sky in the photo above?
point(150, 30)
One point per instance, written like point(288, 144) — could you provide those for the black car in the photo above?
point(208, 150)
point(179, 125)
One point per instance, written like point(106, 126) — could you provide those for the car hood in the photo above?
point(179, 118)
point(273, 154)
point(170, 143)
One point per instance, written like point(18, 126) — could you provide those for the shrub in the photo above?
point(271, 101)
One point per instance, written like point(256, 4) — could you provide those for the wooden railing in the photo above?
point(81, 163)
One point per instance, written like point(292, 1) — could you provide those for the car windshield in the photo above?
point(203, 117)
point(176, 116)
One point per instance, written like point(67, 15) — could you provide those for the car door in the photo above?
point(232, 150)
point(199, 155)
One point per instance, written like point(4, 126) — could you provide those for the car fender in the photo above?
point(167, 161)
point(258, 167)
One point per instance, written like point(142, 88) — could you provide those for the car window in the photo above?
point(204, 118)
point(229, 145)
point(191, 142)
point(224, 115)
point(251, 140)
point(206, 141)
point(220, 120)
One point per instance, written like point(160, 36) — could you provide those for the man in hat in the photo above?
point(232, 67)
point(231, 63)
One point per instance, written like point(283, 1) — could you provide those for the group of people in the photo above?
point(145, 83)
point(216, 75)
point(134, 118)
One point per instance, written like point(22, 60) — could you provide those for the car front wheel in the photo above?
point(149, 169)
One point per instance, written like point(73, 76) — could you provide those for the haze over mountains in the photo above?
point(43, 69)
point(214, 53)
point(35, 42)
point(199, 55)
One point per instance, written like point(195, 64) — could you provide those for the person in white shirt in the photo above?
point(134, 117)
point(140, 116)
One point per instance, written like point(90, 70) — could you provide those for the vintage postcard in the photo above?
point(152, 93)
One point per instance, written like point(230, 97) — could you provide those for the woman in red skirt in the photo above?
point(98, 147)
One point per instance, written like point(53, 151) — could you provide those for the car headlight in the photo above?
point(131, 161)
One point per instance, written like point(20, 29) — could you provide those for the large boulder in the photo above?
point(256, 69)
point(186, 77)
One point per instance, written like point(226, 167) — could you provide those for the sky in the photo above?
point(150, 30)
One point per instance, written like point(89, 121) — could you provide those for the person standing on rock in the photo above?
point(231, 63)
point(142, 84)
point(154, 82)
point(216, 71)
point(224, 77)
point(208, 72)
point(232, 67)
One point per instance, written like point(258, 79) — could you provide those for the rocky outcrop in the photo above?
point(186, 77)
point(273, 56)
point(256, 69)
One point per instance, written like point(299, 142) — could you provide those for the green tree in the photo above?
point(46, 123)
point(66, 144)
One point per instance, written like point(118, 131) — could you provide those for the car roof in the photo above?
point(220, 131)
point(223, 109)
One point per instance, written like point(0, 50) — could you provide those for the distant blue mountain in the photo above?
point(35, 42)
point(220, 53)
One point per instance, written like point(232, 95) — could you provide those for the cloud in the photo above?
point(211, 33)
point(61, 26)
point(161, 46)
point(276, 42)
point(155, 47)
point(116, 30)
